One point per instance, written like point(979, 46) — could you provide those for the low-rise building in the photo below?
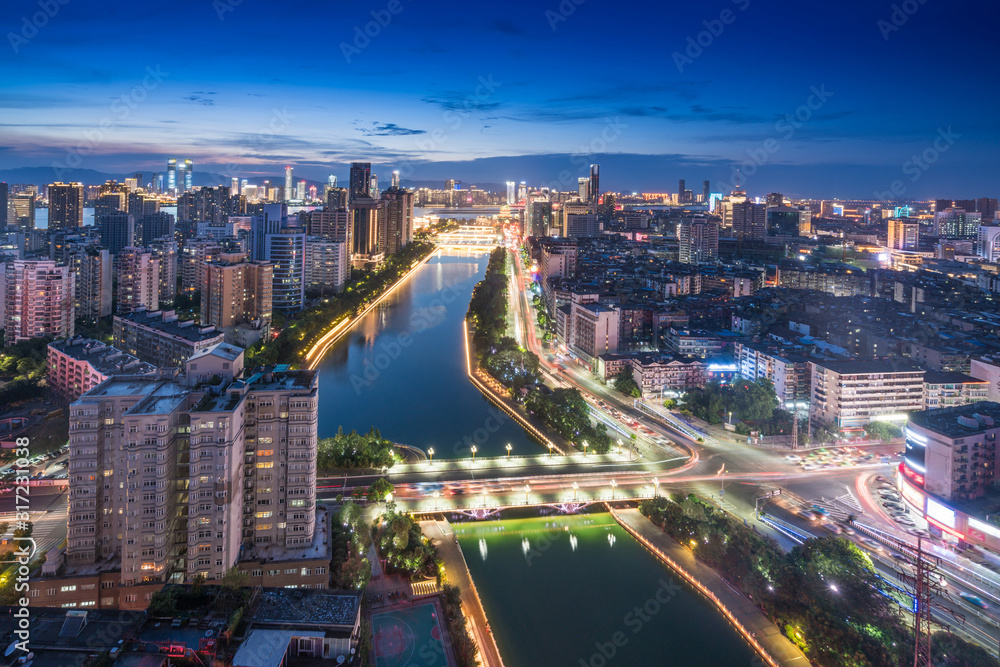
point(161, 339)
point(948, 389)
point(77, 365)
point(850, 394)
point(788, 372)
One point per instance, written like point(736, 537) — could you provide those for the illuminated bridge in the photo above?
point(470, 235)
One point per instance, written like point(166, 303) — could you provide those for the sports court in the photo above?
point(410, 636)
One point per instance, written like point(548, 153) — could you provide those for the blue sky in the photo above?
point(450, 89)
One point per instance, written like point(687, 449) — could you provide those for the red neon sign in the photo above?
point(945, 528)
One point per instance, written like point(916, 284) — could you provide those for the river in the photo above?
point(402, 369)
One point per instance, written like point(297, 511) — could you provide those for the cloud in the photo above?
point(198, 99)
point(388, 130)
point(455, 101)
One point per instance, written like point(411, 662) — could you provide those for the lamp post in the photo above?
point(550, 449)
point(430, 452)
point(619, 446)
point(656, 487)
point(485, 492)
point(436, 495)
point(576, 487)
point(730, 417)
point(584, 447)
point(474, 450)
point(613, 485)
point(526, 489)
point(508, 451)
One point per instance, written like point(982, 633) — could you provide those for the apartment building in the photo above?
point(236, 291)
point(161, 339)
point(77, 365)
point(328, 264)
point(38, 300)
point(595, 330)
point(850, 394)
point(788, 372)
point(173, 478)
point(947, 389)
point(138, 280)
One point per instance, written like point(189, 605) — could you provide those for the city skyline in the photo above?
point(533, 104)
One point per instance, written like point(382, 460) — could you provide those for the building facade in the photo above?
point(851, 394)
point(39, 300)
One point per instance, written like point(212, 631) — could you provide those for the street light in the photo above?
point(436, 495)
point(613, 485)
point(550, 449)
point(508, 451)
point(584, 447)
point(485, 492)
point(619, 446)
point(526, 489)
point(656, 487)
point(430, 452)
point(575, 489)
point(730, 417)
point(474, 450)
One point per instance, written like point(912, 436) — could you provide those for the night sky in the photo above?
point(489, 92)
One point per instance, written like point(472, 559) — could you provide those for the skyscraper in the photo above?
point(188, 175)
point(93, 284)
point(172, 176)
point(38, 300)
point(373, 190)
point(331, 181)
point(398, 220)
point(594, 193)
point(699, 240)
point(5, 216)
point(237, 291)
point(903, 234)
point(117, 230)
point(511, 193)
point(275, 239)
point(367, 217)
point(705, 195)
point(289, 190)
point(394, 183)
point(749, 220)
point(680, 192)
point(300, 191)
point(22, 210)
point(234, 185)
point(336, 199)
point(138, 275)
point(65, 205)
point(583, 187)
point(361, 180)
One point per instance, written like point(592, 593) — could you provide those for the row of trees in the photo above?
point(748, 401)
point(824, 594)
point(296, 338)
point(352, 450)
point(349, 566)
point(564, 410)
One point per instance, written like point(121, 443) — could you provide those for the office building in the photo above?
point(581, 224)
point(539, 217)
point(594, 193)
point(333, 225)
point(138, 273)
point(93, 283)
point(987, 208)
point(748, 221)
point(21, 212)
point(367, 217)
point(187, 175)
point(245, 458)
point(988, 243)
point(65, 205)
point(903, 234)
point(851, 394)
point(38, 300)
point(76, 365)
point(289, 184)
point(956, 223)
point(117, 231)
point(237, 291)
point(172, 176)
point(512, 194)
point(398, 220)
point(161, 339)
point(782, 220)
point(300, 191)
point(276, 239)
point(360, 180)
point(328, 264)
point(337, 199)
point(698, 240)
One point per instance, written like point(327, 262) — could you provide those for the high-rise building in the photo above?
point(331, 181)
point(583, 187)
point(65, 205)
point(594, 194)
point(749, 220)
point(682, 192)
point(360, 180)
point(987, 208)
point(161, 338)
point(705, 195)
point(191, 262)
point(582, 224)
point(367, 217)
point(289, 188)
point(188, 168)
point(275, 238)
point(138, 274)
point(39, 298)
point(172, 176)
point(152, 226)
point(328, 264)
point(333, 225)
point(93, 284)
point(244, 487)
point(522, 191)
point(337, 199)
point(234, 185)
point(774, 199)
point(903, 234)
point(956, 223)
point(727, 203)
point(988, 244)
point(699, 240)
point(539, 218)
point(237, 291)
point(5, 209)
point(22, 210)
point(165, 250)
point(300, 191)
point(110, 202)
point(511, 193)
point(394, 183)
point(117, 230)
point(373, 190)
point(782, 220)
point(398, 220)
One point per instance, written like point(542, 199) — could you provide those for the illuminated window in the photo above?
point(265, 452)
point(264, 515)
point(266, 464)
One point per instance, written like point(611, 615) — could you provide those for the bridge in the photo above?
point(477, 236)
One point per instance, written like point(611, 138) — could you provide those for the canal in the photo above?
point(402, 369)
point(579, 591)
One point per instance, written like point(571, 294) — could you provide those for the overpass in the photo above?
point(476, 236)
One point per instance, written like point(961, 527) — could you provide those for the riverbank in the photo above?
point(763, 635)
point(457, 574)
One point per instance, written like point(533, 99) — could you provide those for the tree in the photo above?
point(625, 384)
point(379, 489)
point(883, 431)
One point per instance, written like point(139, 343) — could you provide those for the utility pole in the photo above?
point(925, 584)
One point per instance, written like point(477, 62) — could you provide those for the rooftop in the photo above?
point(222, 350)
point(168, 323)
point(307, 607)
point(164, 399)
point(959, 421)
point(867, 366)
point(949, 377)
point(105, 359)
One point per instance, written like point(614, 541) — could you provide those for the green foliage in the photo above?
point(404, 547)
point(464, 647)
point(351, 450)
point(349, 566)
point(511, 364)
point(379, 489)
point(625, 384)
point(568, 414)
point(883, 431)
point(748, 401)
point(826, 589)
point(25, 360)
